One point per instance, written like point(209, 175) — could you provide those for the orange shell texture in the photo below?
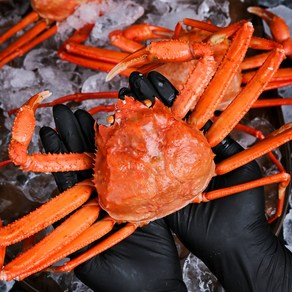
point(148, 163)
point(57, 10)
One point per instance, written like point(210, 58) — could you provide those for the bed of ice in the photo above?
point(42, 69)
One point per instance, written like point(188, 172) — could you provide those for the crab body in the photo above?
point(165, 162)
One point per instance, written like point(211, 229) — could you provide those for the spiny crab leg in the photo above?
point(52, 243)
point(244, 100)
point(21, 137)
point(177, 51)
point(94, 232)
point(214, 93)
point(47, 214)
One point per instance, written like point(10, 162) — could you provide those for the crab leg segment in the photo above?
point(61, 236)
point(274, 140)
point(29, 35)
point(243, 102)
point(255, 42)
point(21, 137)
point(94, 232)
point(215, 91)
point(28, 46)
point(194, 86)
point(165, 51)
point(30, 18)
point(128, 39)
point(282, 179)
point(27, 41)
point(95, 58)
point(2, 250)
point(47, 214)
point(283, 75)
point(112, 240)
point(278, 26)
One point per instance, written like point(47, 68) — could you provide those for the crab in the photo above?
point(169, 160)
point(131, 40)
point(45, 15)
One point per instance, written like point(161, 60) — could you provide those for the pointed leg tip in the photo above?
point(45, 93)
point(3, 276)
point(109, 77)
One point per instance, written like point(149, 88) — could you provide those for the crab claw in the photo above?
point(137, 58)
point(165, 51)
point(143, 32)
point(278, 26)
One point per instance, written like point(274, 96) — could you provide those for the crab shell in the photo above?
point(57, 10)
point(148, 163)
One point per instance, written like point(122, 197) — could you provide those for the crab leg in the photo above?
point(77, 97)
point(255, 42)
point(272, 102)
point(194, 86)
point(214, 93)
point(26, 37)
point(282, 77)
point(282, 178)
point(47, 214)
point(28, 46)
point(2, 250)
point(274, 140)
point(128, 39)
point(112, 240)
point(21, 137)
point(30, 18)
point(94, 232)
point(278, 26)
point(61, 236)
point(93, 64)
point(243, 102)
point(105, 55)
point(266, 145)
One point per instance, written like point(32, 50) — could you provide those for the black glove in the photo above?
point(145, 261)
point(230, 235)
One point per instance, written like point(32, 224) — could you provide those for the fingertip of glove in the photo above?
point(84, 116)
point(166, 91)
point(142, 87)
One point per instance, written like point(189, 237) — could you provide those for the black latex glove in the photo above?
point(145, 261)
point(231, 235)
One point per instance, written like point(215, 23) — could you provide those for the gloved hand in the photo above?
point(230, 235)
point(145, 261)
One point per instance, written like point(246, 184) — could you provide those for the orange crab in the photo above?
point(45, 13)
point(142, 143)
point(130, 40)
